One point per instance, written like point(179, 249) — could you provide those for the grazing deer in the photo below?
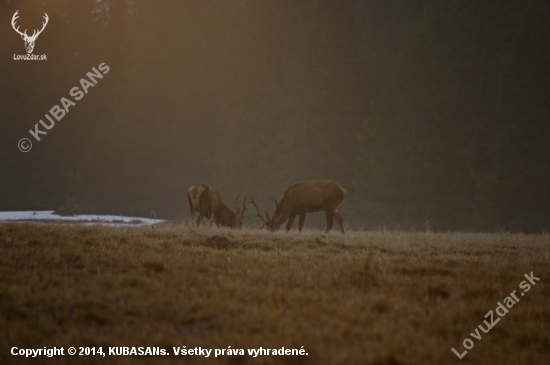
point(306, 197)
point(207, 202)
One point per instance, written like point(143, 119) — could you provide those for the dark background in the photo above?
point(430, 113)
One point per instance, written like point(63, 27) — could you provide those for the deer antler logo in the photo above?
point(29, 41)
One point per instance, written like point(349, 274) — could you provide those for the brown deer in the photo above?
point(306, 197)
point(207, 202)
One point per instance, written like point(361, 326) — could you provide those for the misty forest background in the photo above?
point(432, 112)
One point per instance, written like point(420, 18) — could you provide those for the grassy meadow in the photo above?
point(360, 298)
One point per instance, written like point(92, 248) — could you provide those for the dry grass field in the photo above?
point(359, 298)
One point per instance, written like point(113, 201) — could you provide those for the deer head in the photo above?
point(29, 40)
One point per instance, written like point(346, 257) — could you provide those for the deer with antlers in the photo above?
point(207, 202)
point(302, 198)
point(29, 40)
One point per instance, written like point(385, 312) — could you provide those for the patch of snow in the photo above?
point(85, 219)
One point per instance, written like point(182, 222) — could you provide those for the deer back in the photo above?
point(311, 196)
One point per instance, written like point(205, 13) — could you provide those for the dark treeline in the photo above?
point(433, 114)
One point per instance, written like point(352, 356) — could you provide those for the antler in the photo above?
point(35, 34)
point(237, 209)
point(13, 19)
point(237, 201)
point(276, 203)
point(258, 212)
point(244, 206)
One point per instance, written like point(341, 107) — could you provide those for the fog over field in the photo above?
point(430, 113)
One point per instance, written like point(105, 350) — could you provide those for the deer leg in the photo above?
point(301, 221)
point(339, 220)
point(290, 222)
point(199, 219)
point(330, 221)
